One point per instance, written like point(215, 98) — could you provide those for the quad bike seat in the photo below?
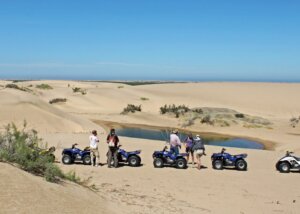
point(298, 159)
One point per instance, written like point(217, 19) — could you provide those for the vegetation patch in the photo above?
point(15, 86)
point(120, 86)
point(79, 90)
point(144, 98)
point(44, 86)
point(173, 109)
point(58, 100)
point(294, 121)
point(131, 109)
point(221, 117)
point(25, 150)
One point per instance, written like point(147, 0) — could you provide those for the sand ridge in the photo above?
point(146, 190)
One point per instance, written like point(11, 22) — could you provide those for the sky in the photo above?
point(195, 40)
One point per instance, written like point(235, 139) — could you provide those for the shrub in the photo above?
point(207, 120)
point(58, 100)
point(294, 121)
point(121, 86)
point(22, 148)
point(71, 176)
point(177, 110)
point(239, 115)
point(44, 86)
point(14, 86)
point(132, 108)
point(79, 90)
point(197, 110)
point(144, 98)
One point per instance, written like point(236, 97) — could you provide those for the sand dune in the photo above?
point(17, 106)
point(147, 190)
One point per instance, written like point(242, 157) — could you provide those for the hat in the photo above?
point(175, 131)
point(198, 137)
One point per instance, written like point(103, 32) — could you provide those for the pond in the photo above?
point(163, 135)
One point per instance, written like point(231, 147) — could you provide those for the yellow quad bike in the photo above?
point(49, 152)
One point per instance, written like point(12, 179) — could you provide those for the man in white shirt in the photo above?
point(94, 141)
point(175, 143)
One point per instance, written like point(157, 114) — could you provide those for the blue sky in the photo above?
point(198, 40)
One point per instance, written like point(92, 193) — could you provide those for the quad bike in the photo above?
point(73, 154)
point(222, 160)
point(132, 158)
point(168, 158)
point(288, 162)
point(48, 152)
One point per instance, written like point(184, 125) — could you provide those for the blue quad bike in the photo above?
point(168, 158)
point(223, 160)
point(132, 158)
point(74, 154)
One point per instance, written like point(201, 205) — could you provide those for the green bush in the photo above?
point(23, 149)
point(239, 115)
point(14, 86)
point(294, 121)
point(71, 176)
point(177, 110)
point(207, 120)
point(131, 108)
point(58, 100)
point(79, 90)
point(44, 86)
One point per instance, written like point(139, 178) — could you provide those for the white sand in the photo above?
point(147, 190)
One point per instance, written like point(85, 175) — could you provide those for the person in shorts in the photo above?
point(94, 141)
point(199, 150)
point(189, 142)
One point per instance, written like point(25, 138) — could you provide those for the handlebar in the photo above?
point(223, 150)
point(74, 145)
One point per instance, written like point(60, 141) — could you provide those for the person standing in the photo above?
point(113, 143)
point(189, 143)
point(94, 141)
point(175, 143)
point(199, 150)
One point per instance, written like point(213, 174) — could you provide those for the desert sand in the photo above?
point(145, 189)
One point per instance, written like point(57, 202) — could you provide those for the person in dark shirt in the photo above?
point(199, 150)
point(189, 143)
point(113, 146)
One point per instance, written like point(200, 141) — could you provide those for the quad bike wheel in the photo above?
point(241, 165)
point(158, 163)
point(86, 160)
point(66, 159)
point(134, 161)
point(284, 167)
point(218, 164)
point(181, 163)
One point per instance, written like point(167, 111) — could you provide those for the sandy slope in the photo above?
point(145, 189)
point(21, 192)
point(17, 106)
